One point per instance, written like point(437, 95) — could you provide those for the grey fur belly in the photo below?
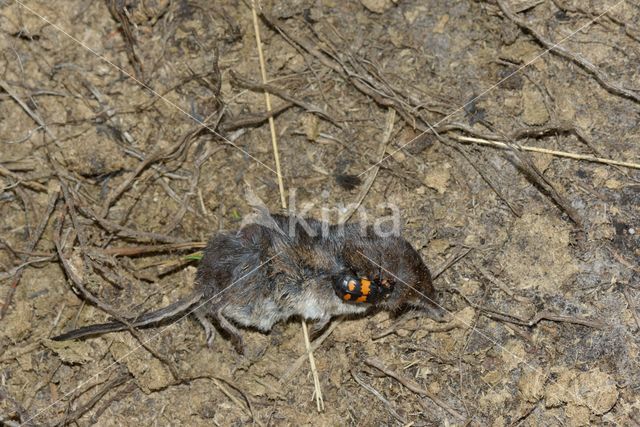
point(261, 317)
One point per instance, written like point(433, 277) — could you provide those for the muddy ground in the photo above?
point(128, 125)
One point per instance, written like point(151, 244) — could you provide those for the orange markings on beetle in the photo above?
point(366, 286)
point(362, 298)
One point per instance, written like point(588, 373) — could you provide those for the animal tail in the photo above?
point(157, 316)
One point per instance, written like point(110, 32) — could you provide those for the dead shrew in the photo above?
point(263, 274)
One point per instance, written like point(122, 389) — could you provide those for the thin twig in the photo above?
point(128, 389)
point(524, 163)
point(79, 281)
point(13, 271)
point(543, 315)
point(160, 154)
point(227, 393)
point(293, 368)
point(494, 184)
point(454, 323)
point(359, 82)
point(118, 13)
point(107, 387)
point(25, 418)
point(249, 120)
point(500, 284)
point(123, 231)
point(556, 48)
point(632, 307)
point(219, 382)
point(142, 250)
point(51, 204)
point(587, 157)
point(280, 93)
point(274, 141)
point(413, 386)
point(314, 370)
point(379, 395)
point(267, 98)
point(453, 259)
point(26, 182)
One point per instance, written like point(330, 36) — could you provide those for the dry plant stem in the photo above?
point(193, 188)
point(413, 386)
point(397, 325)
point(25, 418)
point(391, 116)
point(51, 204)
point(524, 164)
point(632, 307)
point(378, 395)
point(116, 8)
point(631, 31)
point(27, 183)
point(34, 116)
point(527, 412)
point(166, 266)
point(453, 259)
point(115, 194)
point(244, 395)
point(78, 281)
point(234, 399)
point(522, 160)
point(483, 174)
point(314, 370)
point(543, 315)
point(255, 119)
point(315, 345)
point(173, 151)
point(600, 76)
point(280, 93)
point(305, 44)
point(121, 394)
point(126, 232)
point(110, 385)
point(218, 381)
point(267, 98)
point(13, 271)
point(565, 154)
point(274, 141)
point(536, 132)
point(500, 284)
point(142, 250)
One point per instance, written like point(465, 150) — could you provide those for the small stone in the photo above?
point(438, 177)
point(531, 385)
point(377, 6)
point(535, 113)
point(439, 28)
